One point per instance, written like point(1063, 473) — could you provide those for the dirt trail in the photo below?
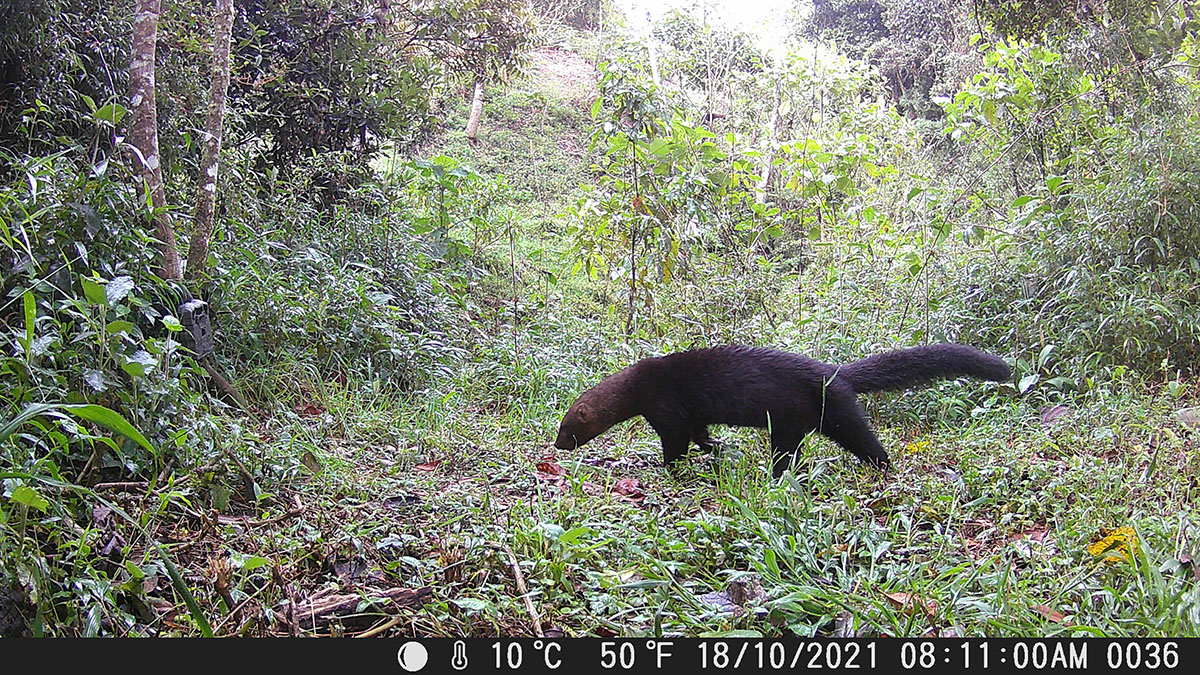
point(564, 74)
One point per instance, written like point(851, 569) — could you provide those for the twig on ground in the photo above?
point(523, 590)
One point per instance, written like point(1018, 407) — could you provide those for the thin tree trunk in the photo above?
point(653, 52)
point(633, 235)
point(143, 130)
point(769, 155)
point(197, 260)
point(476, 109)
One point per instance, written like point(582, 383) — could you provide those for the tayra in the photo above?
point(681, 394)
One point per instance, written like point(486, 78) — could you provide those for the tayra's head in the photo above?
point(612, 401)
point(580, 425)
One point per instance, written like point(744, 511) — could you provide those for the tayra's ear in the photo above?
point(580, 413)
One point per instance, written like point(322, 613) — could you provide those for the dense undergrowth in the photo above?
point(408, 334)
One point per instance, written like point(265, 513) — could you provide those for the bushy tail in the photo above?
point(910, 367)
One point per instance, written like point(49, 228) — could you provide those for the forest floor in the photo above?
point(1017, 519)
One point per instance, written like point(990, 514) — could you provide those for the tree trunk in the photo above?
point(476, 109)
point(143, 130)
point(652, 50)
point(206, 197)
point(772, 134)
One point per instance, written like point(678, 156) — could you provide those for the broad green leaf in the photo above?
point(95, 379)
point(30, 497)
point(87, 411)
point(120, 326)
point(117, 289)
point(989, 112)
point(572, 534)
point(1027, 382)
point(112, 114)
point(94, 292)
point(1044, 355)
point(254, 563)
point(30, 318)
point(139, 363)
point(472, 604)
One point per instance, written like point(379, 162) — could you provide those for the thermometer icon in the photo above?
point(459, 658)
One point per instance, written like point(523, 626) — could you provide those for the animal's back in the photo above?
point(740, 386)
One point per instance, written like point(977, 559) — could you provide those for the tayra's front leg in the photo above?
point(673, 430)
point(674, 445)
point(784, 442)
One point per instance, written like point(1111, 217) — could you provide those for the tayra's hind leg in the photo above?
point(704, 440)
point(845, 422)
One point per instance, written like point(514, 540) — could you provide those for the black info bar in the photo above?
point(644, 655)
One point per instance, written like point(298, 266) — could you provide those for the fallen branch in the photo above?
point(126, 485)
point(523, 590)
point(347, 608)
point(223, 385)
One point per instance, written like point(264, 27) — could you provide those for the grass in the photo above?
point(981, 529)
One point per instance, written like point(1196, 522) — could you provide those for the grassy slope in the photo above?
point(981, 523)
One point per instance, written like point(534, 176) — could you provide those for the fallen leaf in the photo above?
point(746, 590)
point(630, 489)
point(844, 628)
point(1187, 561)
point(916, 446)
point(551, 470)
point(612, 462)
point(1051, 614)
point(1036, 534)
point(720, 601)
point(1051, 413)
point(101, 515)
point(428, 466)
point(310, 409)
point(906, 601)
point(400, 500)
point(310, 461)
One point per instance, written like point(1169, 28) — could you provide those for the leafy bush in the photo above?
point(80, 308)
point(53, 59)
point(1107, 220)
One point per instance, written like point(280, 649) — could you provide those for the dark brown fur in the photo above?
point(792, 395)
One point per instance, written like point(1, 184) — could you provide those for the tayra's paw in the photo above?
point(879, 462)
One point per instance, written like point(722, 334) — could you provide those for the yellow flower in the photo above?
point(1119, 542)
point(917, 446)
